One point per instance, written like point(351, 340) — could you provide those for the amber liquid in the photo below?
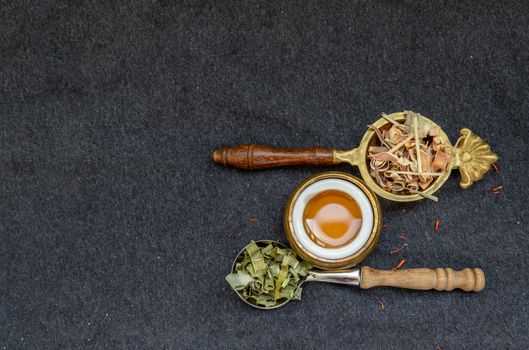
point(332, 219)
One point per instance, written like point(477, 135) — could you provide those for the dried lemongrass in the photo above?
point(425, 195)
point(409, 156)
point(389, 119)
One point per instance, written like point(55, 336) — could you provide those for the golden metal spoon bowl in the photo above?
point(440, 279)
point(472, 157)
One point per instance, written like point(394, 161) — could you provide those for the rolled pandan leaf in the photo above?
point(239, 280)
point(258, 263)
point(282, 276)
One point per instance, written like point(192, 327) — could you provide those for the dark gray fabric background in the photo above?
point(114, 221)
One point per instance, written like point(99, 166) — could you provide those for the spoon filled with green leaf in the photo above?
point(267, 275)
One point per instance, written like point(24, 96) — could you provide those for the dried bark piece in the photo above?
point(385, 156)
point(435, 131)
point(440, 161)
point(377, 149)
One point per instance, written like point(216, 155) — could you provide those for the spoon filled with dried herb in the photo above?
point(267, 275)
point(403, 157)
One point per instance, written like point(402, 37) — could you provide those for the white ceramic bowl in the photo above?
point(354, 251)
point(340, 185)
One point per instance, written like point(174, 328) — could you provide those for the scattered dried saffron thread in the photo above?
point(399, 265)
point(399, 249)
point(385, 226)
point(437, 222)
point(496, 168)
point(497, 189)
point(402, 237)
point(229, 234)
point(381, 305)
point(253, 219)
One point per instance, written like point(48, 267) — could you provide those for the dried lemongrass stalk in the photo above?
point(409, 156)
point(389, 119)
point(413, 173)
point(425, 195)
point(416, 130)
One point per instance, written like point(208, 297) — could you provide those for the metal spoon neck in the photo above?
point(352, 156)
point(349, 277)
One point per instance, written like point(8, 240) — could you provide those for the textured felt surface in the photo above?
point(115, 222)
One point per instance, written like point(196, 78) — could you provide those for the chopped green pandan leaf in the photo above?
point(239, 280)
point(258, 263)
point(268, 276)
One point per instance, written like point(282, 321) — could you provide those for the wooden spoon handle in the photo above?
point(260, 157)
point(441, 279)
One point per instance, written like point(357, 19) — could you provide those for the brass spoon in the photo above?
point(440, 279)
point(472, 157)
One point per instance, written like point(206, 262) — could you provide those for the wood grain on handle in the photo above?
point(441, 279)
point(260, 157)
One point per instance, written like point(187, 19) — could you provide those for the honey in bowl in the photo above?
point(332, 219)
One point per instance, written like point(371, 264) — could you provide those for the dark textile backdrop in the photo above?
point(115, 224)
